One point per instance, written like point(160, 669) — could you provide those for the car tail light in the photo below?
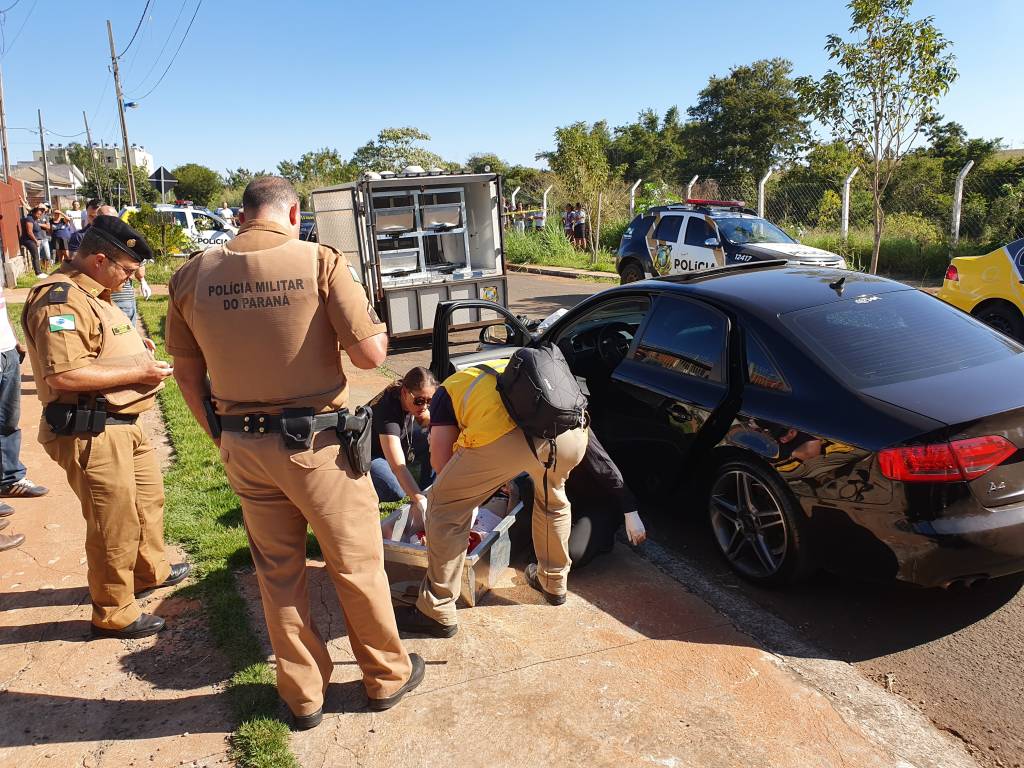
point(945, 462)
point(952, 274)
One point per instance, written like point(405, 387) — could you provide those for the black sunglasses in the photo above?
point(419, 402)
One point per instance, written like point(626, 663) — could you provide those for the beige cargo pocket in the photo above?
point(324, 454)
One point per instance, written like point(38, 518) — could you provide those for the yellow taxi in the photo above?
point(990, 287)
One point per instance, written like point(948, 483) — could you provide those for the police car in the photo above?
point(700, 234)
point(203, 227)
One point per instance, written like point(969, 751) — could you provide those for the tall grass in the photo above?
point(550, 247)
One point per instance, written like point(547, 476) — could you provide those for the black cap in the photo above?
point(119, 234)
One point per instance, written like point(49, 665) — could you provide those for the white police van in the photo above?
point(202, 226)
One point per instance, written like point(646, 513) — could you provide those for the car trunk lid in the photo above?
point(973, 402)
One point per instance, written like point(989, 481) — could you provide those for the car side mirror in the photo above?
point(499, 334)
point(712, 242)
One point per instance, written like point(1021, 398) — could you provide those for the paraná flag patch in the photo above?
point(62, 323)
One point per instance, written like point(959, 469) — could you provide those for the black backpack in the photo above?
point(540, 393)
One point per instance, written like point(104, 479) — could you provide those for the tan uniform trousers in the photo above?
point(116, 477)
point(467, 480)
point(283, 490)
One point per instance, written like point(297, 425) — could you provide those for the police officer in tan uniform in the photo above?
point(266, 316)
point(95, 375)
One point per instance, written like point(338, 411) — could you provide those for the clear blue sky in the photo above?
point(259, 81)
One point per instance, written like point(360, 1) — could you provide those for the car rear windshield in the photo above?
point(887, 338)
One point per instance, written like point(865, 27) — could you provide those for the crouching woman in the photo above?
point(401, 418)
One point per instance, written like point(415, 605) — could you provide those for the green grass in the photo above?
point(26, 280)
point(203, 515)
point(160, 270)
point(14, 313)
point(551, 248)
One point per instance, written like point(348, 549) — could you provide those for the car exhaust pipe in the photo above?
point(966, 581)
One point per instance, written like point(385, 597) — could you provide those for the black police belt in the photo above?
point(79, 419)
point(260, 423)
point(297, 426)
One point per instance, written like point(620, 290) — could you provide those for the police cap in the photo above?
point(119, 234)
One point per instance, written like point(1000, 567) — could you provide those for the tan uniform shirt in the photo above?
point(270, 315)
point(70, 333)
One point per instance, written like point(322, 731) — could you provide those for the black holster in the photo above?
point(355, 433)
point(212, 419)
point(78, 419)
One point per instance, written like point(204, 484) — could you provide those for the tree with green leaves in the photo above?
point(239, 177)
point(580, 160)
point(111, 186)
point(394, 149)
point(651, 149)
point(883, 91)
point(748, 121)
point(197, 183)
point(319, 167)
point(950, 142)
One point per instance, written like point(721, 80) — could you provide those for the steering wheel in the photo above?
point(613, 342)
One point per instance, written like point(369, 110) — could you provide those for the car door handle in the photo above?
point(680, 412)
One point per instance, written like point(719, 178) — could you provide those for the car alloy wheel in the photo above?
point(749, 524)
point(1006, 321)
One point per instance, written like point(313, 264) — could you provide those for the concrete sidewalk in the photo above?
point(570, 272)
point(71, 701)
point(633, 670)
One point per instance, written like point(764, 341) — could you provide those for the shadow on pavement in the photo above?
point(848, 619)
point(65, 719)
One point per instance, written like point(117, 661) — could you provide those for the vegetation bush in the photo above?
point(551, 247)
point(160, 231)
point(611, 234)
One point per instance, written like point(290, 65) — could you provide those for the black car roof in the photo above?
point(768, 289)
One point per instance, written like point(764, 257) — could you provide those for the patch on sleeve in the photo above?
point(121, 329)
point(62, 323)
point(58, 294)
point(372, 313)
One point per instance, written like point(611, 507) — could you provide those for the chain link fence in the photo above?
point(920, 234)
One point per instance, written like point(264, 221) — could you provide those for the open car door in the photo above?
point(499, 339)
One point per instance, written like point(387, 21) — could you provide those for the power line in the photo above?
point(10, 7)
point(175, 56)
point(138, 26)
point(7, 48)
point(163, 48)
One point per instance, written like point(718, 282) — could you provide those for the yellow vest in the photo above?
point(478, 408)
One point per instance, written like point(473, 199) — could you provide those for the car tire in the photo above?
point(1005, 319)
point(631, 273)
point(757, 525)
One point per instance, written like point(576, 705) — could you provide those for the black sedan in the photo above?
point(818, 418)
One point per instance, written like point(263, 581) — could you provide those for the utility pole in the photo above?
point(120, 111)
point(46, 165)
point(3, 131)
point(92, 156)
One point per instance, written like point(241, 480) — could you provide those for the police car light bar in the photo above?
point(724, 203)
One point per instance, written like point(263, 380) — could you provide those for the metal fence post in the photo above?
point(632, 197)
point(689, 187)
point(544, 205)
point(844, 224)
point(958, 195)
point(760, 193)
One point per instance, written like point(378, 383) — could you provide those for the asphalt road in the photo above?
point(956, 654)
